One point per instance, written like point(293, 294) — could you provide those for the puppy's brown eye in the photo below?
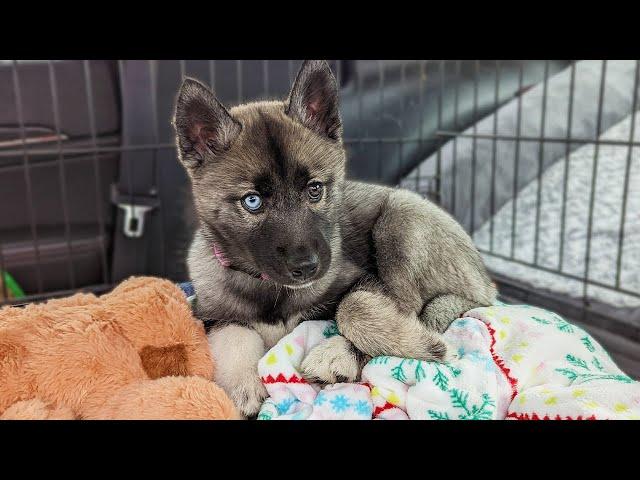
point(315, 191)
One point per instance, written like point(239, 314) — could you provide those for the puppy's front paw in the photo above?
point(332, 361)
point(247, 394)
point(431, 347)
point(450, 355)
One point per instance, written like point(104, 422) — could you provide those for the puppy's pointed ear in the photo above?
point(203, 126)
point(313, 100)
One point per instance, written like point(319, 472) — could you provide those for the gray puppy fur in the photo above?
point(301, 242)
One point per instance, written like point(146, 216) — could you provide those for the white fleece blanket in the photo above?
point(512, 362)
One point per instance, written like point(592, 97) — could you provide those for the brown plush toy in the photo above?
point(135, 353)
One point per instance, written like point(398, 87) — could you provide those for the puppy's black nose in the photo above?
point(302, 266)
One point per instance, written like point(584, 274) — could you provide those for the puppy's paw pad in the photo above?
point(248, 394)
point(333, 361)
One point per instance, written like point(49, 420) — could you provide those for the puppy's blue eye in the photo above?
point(252, 202)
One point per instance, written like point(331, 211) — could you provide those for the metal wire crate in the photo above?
point(406, 123)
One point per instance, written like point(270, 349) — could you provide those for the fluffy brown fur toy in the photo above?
point(135, 353)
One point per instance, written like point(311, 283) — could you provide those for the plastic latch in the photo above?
point(134, 219)
point(135, 208)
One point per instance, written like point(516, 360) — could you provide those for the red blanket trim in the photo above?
point(535, 416)
point(381, 409)
point(500, 363)
point(281, 379)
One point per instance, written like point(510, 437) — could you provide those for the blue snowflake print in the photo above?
point(468, 324)
point(340, 403)
point(284, 406)
point(461, 322)
point(320, 399)
point(363, 408)
point(477, 357)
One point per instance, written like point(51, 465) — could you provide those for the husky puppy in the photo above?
point(283, 237)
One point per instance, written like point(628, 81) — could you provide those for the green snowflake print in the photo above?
point(564, 326)
point(460, 400)
point(402, 372)
point(586, 341)
point(577, 362)
point(455, 371)
point(585, 375)
point(588, 377)
point(397, 372)
point(435, 415)
point(379, 360)
point(420, 372)
point(440, 379)
point(559, 322)
point(542, 321)
point(331, 330)
point(596, 363)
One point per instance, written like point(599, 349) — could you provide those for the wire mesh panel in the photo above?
point(522, 153)
point(53, 234)
point(87, 159)
point(544, 183)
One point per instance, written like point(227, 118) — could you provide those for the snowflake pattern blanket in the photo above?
point(511, 362)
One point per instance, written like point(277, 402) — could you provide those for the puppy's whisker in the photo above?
point(278, 289)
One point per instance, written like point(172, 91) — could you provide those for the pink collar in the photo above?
point(220, 256)
point(224, 261)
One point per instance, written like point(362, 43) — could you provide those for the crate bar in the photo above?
point(516, 162)
point(557, 272)
point(594, 172)
point(380, 113)
point(5, 292)
point(360, 132)
point(454, 158)
point(27, 176)
point(421, 76)
point(183, 69)
point(153, 82)
point(290, 68)
point(439, 133)
point(494, 151)
point(594, 141)
point(338, 73)
point(543, 121)
point(474, 142)
point(18, 302)
point(626, 176)
point(567, 153)
point(212, 74)
point(239, 80)
point(125, 140)
point(265, 77)
point(439, 153)
point(96, 168)
point(62, 177)
point(403, 84)
point(156, 165)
